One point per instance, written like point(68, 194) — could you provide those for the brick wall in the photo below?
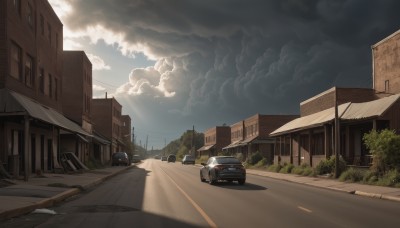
point(386, 64)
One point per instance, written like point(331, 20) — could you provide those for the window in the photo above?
point(29, 77)
point(41, 80)
point(17, 6)
point(387, 86)
point(50, 86)
point(56, 88)
point(49, 32)
point(318, 144)
point(16, 62)
point(30, 15)
point(41, 24)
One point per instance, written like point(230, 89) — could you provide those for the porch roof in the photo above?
point(204, 148)
point(369, 109)
point(313, 120)
point(232, 145)
point(18, 103)
point(347, 111)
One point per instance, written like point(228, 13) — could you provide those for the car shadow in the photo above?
point(236, 186)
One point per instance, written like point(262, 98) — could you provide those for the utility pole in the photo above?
point(147, 140)
point(337, 136)
point(191, 149)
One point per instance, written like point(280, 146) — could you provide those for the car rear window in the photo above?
point(228, 160)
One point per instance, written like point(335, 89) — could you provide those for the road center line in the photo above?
point(195, 205)
point(304, 209)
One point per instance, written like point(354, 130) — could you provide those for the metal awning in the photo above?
point(204, 148)
point(12, 102)
point(347, 111)
point(365, 110)
point(232, 145)
point(313, 120)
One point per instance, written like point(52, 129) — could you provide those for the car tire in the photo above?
point(211, 181)
point(202, 178)
point(241, 181)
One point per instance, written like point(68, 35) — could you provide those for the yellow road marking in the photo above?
point(195, 205)
point(304, 209)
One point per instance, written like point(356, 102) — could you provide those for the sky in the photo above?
point(175, 64)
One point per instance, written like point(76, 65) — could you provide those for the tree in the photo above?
point(385, 149)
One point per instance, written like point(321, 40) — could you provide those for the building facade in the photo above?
point(215, 139)
point(77, 102)
point(386, 65)
point(30, 82)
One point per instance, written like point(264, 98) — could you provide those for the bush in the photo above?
point(384, 147)
point(202, 159)
point(287, 168)
point(324, 167)
point(352, 175)
point(274, 168)
point(370, 177)
point(261, 163)
point(255, 158)
point(391, 178)
point(304, 169)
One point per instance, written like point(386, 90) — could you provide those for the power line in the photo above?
point(107, 84)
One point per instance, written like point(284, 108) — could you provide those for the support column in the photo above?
point(27, 153)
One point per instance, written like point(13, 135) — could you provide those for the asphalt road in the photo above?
point(161, 194)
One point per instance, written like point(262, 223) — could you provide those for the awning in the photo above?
point(204, 148)
point(232, 145)
point(248, 140)
point(100, 139)
point(347, 111)
point(37, 110)
point(313, 120)
point(370, 109)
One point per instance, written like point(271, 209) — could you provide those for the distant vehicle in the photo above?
point(171, 158)
point(157, 156)
point(188, 159)
point(223, 168)
point(163, 158)
point(136, 158)
point(120, 158)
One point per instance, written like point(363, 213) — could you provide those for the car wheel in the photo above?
point(210, 179)
point(202, 178)
point(241, 181)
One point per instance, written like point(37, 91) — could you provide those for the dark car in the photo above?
point(171, 158)
point(120, 158)
point(188, 159)
point(225, 168)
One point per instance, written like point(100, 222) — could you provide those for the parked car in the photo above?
point(188, 159)
point(163, 158)
point(225, 168)
point(136, 158)
point(120, 158)
point(171, 158)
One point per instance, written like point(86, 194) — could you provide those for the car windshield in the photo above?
point(189, 157)
point(228, 160)
point(119, 155)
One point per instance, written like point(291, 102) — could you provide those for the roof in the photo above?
point(316, 119)
point(232, 145)
point(370, 109)
point(347, 111)
point(203, 148)
point(38, 111)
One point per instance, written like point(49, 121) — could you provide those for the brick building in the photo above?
point(77, 101)
point(31, 60)
point(386, 65)
point(106, 116)
point(214, 140)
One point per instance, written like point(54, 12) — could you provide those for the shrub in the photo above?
point(255, 158)
point(274, 168)
point(287, 168)
point(391, 178)
point(323, 167)
point(384, 147)
point(261, 163)
point(202, 159)
point(370, 177)
point(352, 175)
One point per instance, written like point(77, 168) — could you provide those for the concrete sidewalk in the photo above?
point(380, 192)
point(41, 192)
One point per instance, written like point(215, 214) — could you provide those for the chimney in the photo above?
point(106, 95)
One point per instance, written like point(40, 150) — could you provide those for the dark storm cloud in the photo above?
point(237, 58)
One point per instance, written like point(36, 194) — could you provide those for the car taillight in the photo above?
point(219, 167)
